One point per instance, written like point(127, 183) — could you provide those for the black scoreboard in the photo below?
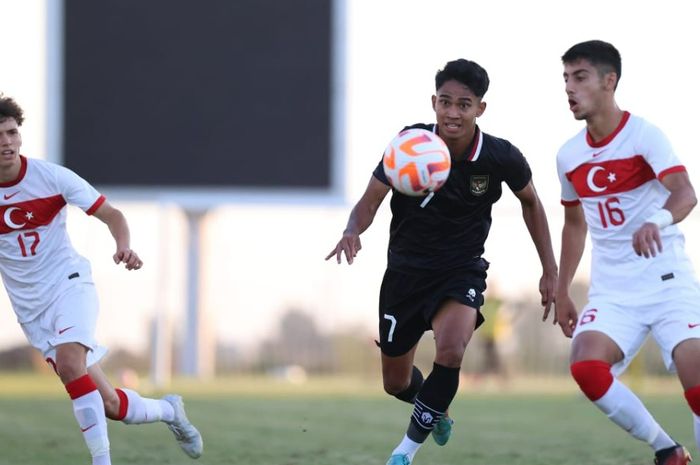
point(199, 93)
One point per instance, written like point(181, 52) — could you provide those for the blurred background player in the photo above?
point(622, 182)
point(496, 328)
point(52, 293)
point(435, 274)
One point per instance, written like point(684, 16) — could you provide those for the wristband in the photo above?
point(661, 218)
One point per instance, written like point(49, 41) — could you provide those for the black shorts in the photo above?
point(408, 302)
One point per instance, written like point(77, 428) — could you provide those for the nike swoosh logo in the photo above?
point(8, 197)
point(61, 331)
point(85, 429)
point(691, 325)
point(598, 153)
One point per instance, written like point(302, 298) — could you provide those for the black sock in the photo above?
point(409, 394)
point(432, 401)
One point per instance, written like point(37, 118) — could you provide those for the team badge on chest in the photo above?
point(478, 184)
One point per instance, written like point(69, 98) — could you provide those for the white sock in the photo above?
point(101, 460)
point(696, 424)
point(144, 410)
point(408, 447)
point(625, 409)
point(89, 410)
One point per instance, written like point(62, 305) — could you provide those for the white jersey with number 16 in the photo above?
point(617, 181)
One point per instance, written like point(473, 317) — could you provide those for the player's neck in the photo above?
point(458, 148)
point(604, 123)
point(10, 172)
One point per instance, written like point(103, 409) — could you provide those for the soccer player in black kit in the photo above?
point(436, 275)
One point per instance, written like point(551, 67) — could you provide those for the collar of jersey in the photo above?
point(474, 147)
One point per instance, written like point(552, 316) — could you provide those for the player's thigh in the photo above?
point(595, 345)
point(685, 357)
point(453, 325)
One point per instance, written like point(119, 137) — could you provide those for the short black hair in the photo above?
point(603, 55)
point(466, 72)
point(10, 109)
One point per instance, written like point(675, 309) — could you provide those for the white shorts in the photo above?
point(671, 319)
point(70, 318)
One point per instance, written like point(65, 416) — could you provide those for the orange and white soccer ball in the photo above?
point(417, 162)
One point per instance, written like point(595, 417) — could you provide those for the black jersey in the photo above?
point(451, 229)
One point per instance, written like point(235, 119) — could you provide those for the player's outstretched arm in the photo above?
point(573, 242)
point(361, 218)
point(536, 222)
point(118, 227)
point(646, 241)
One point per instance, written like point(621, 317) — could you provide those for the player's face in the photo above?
point(585, 88)
point(10, 142)
point(456, 109)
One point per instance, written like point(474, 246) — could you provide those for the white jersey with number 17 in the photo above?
point(617, 181)
point(37, 260)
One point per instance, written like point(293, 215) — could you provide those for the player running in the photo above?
point(436, 275)
point(52, 293)
point(622, 181)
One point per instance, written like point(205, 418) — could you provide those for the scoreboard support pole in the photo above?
point(198, 345)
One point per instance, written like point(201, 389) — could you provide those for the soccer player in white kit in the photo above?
point(622, 181)
point(53, 295)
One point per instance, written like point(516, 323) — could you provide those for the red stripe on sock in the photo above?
point(81, 386)
point(123, 405)
point(593, 377)
point(692, 395)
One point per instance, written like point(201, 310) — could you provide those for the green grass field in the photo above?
point(337, 422)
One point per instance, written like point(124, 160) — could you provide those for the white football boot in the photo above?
point(185, 433)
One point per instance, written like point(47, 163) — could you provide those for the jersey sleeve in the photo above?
point(569, 197)
point(658, 152)
point(379, 173)
point(77, 191)
point(517, 173)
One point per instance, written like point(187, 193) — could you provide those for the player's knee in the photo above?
point(450, 356)
point(69, 370)
point(394, 385)
point(593, 377)
point(70, 362)
point(692, 395)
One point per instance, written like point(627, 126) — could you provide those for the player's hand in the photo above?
point(548, 285)
point(349, 245)
point(566, 315)
point(129, 258)
point(646, 241)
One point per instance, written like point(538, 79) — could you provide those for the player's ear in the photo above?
point(610, 80)
point(434, 100)
point(482, 108)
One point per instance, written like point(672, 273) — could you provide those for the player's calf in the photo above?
point(409, 394)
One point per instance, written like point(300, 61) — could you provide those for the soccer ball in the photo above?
point(417, 162)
